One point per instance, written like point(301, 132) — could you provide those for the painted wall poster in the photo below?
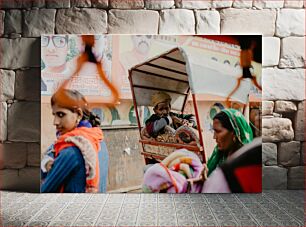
point(58, 57)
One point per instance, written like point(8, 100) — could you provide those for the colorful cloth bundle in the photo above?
point(172, 174)
point(183, 135)
point(187, 135)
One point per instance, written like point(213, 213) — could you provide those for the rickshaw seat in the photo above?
point(164, 144)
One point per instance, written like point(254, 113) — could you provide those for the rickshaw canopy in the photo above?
point(182, 70)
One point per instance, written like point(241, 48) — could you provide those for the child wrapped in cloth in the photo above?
point(175, 174)
point(167, 126)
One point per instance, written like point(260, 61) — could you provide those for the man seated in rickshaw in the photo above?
point(163, 124)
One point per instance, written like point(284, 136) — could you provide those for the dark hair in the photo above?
point(225, 121)
point(73, 99)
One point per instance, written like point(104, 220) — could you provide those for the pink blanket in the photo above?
point(172, 174)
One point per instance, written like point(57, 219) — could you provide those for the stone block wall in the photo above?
point(283, 147)
point(281, 22)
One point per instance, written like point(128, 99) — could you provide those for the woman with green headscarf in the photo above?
point(231, 131)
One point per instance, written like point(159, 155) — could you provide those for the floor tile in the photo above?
point(271, 208)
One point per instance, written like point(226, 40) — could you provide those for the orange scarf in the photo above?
point(94, 136)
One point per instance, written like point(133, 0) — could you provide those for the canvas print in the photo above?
point(151, 113)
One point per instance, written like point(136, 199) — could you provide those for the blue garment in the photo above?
point(48, 156)
point(68, 170)
point(84, 123)
point(103, 165)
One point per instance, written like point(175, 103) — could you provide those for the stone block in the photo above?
point(3, 121)
point(242, 4)
point(24, 180)
point(277, 129)
point(24, 122)
point(159, 4)
point(133, 21)
point(30, 179)
point(267, 107)
point(7, 81)
point(222, 4)
point(76, 21)
point(14, 155)
point(283, 84)
point(290, 22)
point(2, 15)
point(269, 154)
point(292, 52)
point(38, 21)
point(15, 4)
point(303, 160)
point(299, 122)
point(18, 53)
point(274, 177)
point(293, 3)
point(191, 4)
point(33, 157)
point(13, 21)
point(38, 3)
point(261, 4)
point(99, 3)
point(271, 51)
point(289, 153)
point(27, 85)
point(9, 179)
point(285, 107)
point(80, 3)
point(55, 4)
point(296, 178)
point(208, 22)
point(177, 21)
point(248, 21)
point(126, 4)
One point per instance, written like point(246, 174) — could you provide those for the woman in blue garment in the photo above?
point(75, 166)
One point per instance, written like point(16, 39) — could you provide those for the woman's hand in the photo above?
point(49, 165)
point(202, 177)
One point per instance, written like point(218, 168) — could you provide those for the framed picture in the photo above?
point(187, 120)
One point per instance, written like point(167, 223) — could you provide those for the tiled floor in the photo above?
point(271, 208)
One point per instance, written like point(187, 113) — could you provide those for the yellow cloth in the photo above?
point(160, 97)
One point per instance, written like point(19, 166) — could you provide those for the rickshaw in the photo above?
point(184, 73)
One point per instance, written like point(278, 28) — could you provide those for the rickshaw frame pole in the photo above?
point(136, 109)
point(134, 101)
point(185, 101)
point(199, 125)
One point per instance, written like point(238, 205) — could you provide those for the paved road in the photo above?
point(271, 208)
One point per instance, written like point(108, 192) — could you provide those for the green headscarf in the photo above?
point(243, 133)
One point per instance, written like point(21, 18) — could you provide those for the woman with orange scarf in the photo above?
point(75, 168)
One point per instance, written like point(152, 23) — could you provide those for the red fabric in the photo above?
point(94, 135)
point(176, 167)
point(249, 178)
point(171, 177)
point(150, 127)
